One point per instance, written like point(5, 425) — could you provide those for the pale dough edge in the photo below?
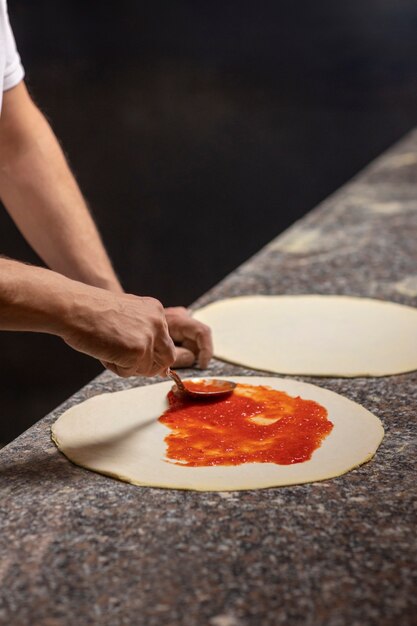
point(288, 372)
point(273, 485)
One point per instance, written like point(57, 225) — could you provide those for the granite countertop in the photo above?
point(78, 548)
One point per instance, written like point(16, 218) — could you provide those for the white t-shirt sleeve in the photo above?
point(13, 70)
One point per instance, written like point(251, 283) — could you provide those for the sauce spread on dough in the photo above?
point(255, 424)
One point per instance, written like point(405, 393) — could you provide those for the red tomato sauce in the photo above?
point(202, 385)
point(255, 424)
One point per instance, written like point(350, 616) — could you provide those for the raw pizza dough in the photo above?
point(119, 434)
point(314, 335)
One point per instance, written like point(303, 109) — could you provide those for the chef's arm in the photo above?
point(128, 334)
point(43, 198)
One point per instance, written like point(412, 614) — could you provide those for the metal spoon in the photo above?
point(222, 387)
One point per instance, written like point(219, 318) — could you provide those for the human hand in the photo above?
point(128, 334)
point(193, 337)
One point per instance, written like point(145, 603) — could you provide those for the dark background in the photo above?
point(198, 131)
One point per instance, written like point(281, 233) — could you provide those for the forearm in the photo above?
point(34, 299)
point(127, 333)
point(44, 200)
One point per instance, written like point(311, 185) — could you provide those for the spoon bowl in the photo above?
point(201, 388)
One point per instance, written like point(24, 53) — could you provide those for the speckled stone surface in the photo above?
point(78, 548)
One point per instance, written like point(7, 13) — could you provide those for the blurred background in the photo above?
point(198, 131)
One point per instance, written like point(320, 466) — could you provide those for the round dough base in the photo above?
point(314, 335)
point(119, 435)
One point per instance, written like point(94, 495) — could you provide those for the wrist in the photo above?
point(79, 307)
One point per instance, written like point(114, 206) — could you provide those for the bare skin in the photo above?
point(193, 338)
point(81, 300)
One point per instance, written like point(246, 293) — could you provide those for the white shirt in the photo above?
point(11, 70)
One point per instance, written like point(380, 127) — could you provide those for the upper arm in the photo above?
point(20, 121)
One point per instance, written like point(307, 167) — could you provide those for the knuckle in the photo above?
point(159, 327)
point(203, 332)
point(156, 303)
point(169, 351)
